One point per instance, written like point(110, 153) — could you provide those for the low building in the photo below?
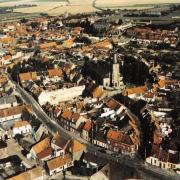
point(135, 92)
point(59, 145)
point(119, 142)
point(93, 160)
point(7, 102)
point(165, 159)
point(48, 45)
point(41, 150)
point(87, 130)
point(100, 140)
point(50, 74)
point(59, 164)
point(45, 155)
point(21, 127)
point(76, 149)
point(12, 113)
point(60, 95)
point(32, 174)
point(98, 92)
point(71, 121)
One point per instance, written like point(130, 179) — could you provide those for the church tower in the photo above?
point(117, 79)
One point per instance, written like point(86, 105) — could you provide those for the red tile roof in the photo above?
point(67, 114)
point(87, 126)
point(45, 153)
point(113, 104)
point(114, 135)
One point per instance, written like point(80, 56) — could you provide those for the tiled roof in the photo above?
point(97, 92)
point(76, 146)
point(114, 135)
point(48, 45)
point(136, 90)
point(18, 124)
point(45, 153)
point(28, 76)
point(87, 126)
point(33, 75)
point(12, 111)
point(75, 117)
point(127, 140)
point(67, 114)
point(55, 72)
point(32, 174)
point(113, 104)
point(60, 141)
point(42, 145)
point(59, 162)
point(68, 43)
point(162, 83)
point(7, 58)
point(106, 44)
point(119, 137)
point(80, 127)
point(7, 40)
point(164, 155)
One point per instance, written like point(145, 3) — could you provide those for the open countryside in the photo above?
point(56, 7)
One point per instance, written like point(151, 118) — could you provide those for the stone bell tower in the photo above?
point(117, 79)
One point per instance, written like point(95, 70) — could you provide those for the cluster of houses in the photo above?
point(52, 154)
point(74, 76)
point(165, 141)
point(148, 35)
point(12, 112)
point(46, 85)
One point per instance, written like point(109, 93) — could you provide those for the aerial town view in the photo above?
point(89, 89)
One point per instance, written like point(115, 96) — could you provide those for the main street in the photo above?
point(53, 127)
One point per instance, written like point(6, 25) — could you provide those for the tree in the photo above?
point(34, 24)
point(24, 20)
point(120, 22)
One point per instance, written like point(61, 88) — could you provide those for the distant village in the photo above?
point(79, 94)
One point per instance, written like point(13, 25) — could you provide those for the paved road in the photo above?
point(96, 7)
point(13, 148)
point(53, 127)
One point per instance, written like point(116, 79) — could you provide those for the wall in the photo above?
point(61, 95)
point(22, 130)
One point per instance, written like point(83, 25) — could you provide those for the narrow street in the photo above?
point(14, 149)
